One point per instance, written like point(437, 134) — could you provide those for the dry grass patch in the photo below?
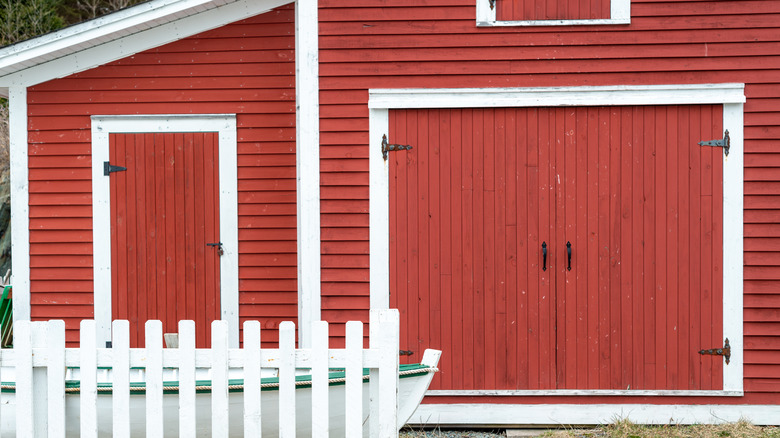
point(627, 429)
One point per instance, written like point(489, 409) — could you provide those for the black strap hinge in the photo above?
point(725, 351)
point(724, 143)
point(405, 352)
point(109, 168)
point(392, 147)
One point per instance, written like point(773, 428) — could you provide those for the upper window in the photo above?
point(552, 12)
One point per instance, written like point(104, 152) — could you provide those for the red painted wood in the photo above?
point(150, 280)
point(515, 10)
point(597, 177)
point(214, 79)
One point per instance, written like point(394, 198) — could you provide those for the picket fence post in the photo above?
point(41, 358)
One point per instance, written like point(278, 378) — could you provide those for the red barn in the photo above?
point(589, 206)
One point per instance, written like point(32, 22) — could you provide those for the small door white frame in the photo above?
point(731, 96)
point(225, 126)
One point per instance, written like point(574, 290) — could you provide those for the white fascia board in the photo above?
point(99, 44)
point(556, 96)
point(620, 13)
point(557, 414)
point(20, 203)
point(731, 96)
point(225, 126)
point(307, 160)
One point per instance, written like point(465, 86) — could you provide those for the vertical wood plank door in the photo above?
point(629, 188)
point(520, 10)
point(164, 213)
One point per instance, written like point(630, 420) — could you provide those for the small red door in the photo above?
point(487, 208)
point(164, 215)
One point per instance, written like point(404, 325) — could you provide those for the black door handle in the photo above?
point(544, 256)
point(568, 252)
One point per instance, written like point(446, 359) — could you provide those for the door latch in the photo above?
point(218, 245)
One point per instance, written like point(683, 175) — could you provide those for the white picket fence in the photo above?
point(39, 361)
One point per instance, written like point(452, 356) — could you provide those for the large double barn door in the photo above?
point(560, 248)
point(165, 231)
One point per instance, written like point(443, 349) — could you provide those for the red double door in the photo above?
point(164, 216)
point(560, 248)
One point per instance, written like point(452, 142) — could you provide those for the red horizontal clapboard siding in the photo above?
point(410, 44)
point(246, 68)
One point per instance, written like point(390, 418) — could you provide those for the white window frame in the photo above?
point(620, 13)
point(731, 96)
point(225, 126)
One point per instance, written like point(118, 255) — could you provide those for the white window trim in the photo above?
point(225, 126)
point(620, 13)
point(731, 96)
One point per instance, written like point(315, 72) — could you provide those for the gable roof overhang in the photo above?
point(117, 35)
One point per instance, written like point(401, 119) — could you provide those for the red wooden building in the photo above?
point(557, 229)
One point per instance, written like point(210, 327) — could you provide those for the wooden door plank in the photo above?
point(487, 230)
point(695, 245)
point(458, 268)
point(513, 176)
point(119, 224)
point(660, 286)
point(685, 358)
point(149, 279)
point(157, 157)
point(705, 307)
point(422, 208)
point(560, 151)
point(672, 243)
point(527, 242)
point(717, 242)
point(173, 312)
point(539, 375)
point(627, 148)
point(444, 249)
point(467, 202)
point(500, 237)
point(614, 338)
point(478, 201)
point(599, 117)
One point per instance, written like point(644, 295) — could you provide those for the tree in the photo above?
point(24, 19)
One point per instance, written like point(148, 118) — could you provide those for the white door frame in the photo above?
point(225, 126)
point(731, 96)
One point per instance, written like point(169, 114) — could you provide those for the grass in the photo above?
point(627, 429)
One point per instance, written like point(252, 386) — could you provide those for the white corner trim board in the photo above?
point(307, 159)
point(20, 205)
point(555, 415)
point(620, 13)
point(731, 96)
point(225, 126)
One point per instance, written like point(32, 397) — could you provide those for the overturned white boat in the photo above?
point(414, 380)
